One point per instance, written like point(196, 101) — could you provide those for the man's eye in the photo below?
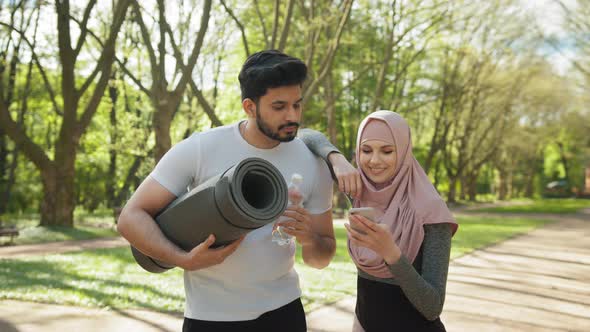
point(278, 108)
point(297, 106)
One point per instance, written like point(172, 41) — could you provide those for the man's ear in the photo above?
point(249, 107)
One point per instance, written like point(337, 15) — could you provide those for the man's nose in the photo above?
point(292, 114)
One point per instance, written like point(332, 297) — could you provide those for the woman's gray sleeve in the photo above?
point(317, 143)
point(427, 291)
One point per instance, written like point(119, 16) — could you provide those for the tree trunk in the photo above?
point(530, 183)
point(437, 175)
point(5, 195)
point(564, 161)
point(57, 208)
point(161, 123)
point(472, 188)
point(473, 192)
point(331, 110)
point(464, 187)
point(129, 180)
point(4, 192)
point(503, 187)
point(112, 172)
point(451, 198)
point(58, 175)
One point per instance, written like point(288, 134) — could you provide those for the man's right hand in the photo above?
point(203, 256)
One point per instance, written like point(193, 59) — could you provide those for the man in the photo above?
point(249, 285)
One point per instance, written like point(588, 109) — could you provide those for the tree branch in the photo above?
point(162, 23)
point(286, 26)
point(240, 26)
point(39, 67)
point(20, 138)
point(146, 38)
point(106, 60)
point(135, 80)
point(83, 27)
point(122, 65)
point(206, 106)
point(275, 24)
point(192, 60)
point(327, 63)
point(209, 110)
point(262, 23)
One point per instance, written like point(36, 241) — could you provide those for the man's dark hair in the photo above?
point(269, 69)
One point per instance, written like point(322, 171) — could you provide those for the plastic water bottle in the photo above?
point(295, 198)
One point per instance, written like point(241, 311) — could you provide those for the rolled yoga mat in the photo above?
point(245, 197)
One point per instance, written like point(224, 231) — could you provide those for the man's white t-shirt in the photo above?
point(259, 276)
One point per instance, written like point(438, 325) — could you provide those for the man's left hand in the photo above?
point(299, 224)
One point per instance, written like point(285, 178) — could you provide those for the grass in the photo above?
point(106, 278)
point(477, 232)
point(88, 226)
point(550, 205)
point(110, 278)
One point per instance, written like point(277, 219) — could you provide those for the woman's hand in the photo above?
point(366, 233)
point(349, 179)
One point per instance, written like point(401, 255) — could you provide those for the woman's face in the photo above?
point(378, 160)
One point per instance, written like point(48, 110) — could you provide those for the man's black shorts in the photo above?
point(288, 318)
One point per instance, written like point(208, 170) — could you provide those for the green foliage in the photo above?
point(556, 206)
point(446, 57)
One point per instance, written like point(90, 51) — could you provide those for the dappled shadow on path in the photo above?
point(7, 326)
point(533, 282)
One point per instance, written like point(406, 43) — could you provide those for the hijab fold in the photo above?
point(405, 204)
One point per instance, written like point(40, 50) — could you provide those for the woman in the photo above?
point(402, 257)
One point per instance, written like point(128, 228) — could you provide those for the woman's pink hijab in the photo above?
point(405, 204)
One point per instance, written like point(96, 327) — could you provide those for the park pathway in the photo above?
point(536, 282)
point(60, 247)
point(539, 281)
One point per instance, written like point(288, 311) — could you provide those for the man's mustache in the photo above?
point(289, 124)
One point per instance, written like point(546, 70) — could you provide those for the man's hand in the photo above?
point(299, 224)
point(349, 178)
point(315, 233)
point(203, 256)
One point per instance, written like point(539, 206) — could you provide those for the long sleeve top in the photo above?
point(423, 281)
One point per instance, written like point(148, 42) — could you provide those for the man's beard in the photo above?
point(266, 130)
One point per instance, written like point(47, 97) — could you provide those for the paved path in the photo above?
point(60, 247)
point(539, 281)
point(37, 317)
point(534, 282)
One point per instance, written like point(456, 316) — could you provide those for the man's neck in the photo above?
point(251, 134)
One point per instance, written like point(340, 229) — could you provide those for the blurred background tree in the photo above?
point(93, 93)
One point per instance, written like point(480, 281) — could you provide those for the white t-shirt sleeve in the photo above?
point(320, 199)
point(178, 168)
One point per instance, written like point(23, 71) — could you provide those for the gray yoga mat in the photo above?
point(245, 197)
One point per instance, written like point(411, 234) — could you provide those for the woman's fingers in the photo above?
point(360, 222)
point(353, 233)
point(359, 184)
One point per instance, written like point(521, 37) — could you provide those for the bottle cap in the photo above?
point(296, 179)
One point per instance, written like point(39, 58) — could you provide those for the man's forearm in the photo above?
point(319, 252)
point(142, 232)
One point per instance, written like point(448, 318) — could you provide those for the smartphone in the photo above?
point(367, 212)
